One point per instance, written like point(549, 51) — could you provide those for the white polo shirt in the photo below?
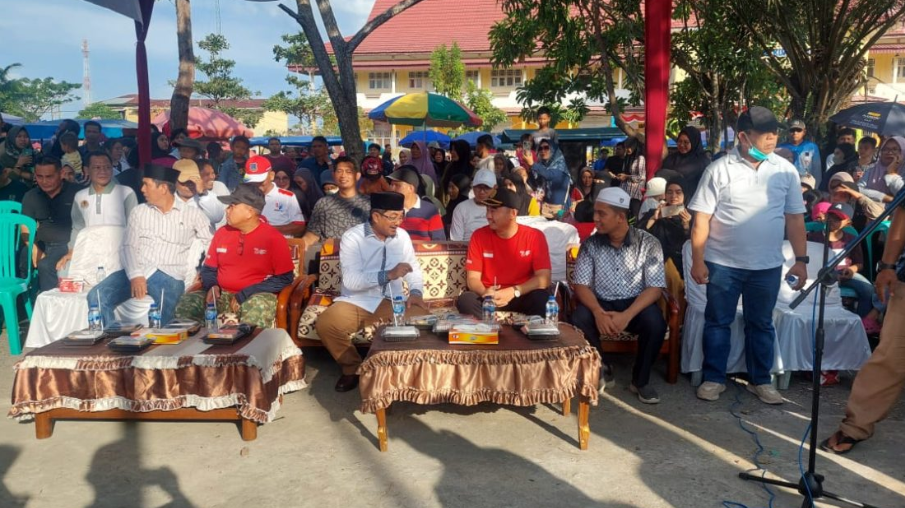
point(467, 218)
point(748, 207)
point(281, 207)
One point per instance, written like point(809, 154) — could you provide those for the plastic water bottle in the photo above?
point(210, 317)
point(791, 280)
point(489, 309)
point(398, 311)
point(552, 317)
point(94, 319)
point(154, 316)
point(101, 274)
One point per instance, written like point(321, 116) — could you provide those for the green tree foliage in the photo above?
point(99, 110)
point(221, 85)
point(32, 98)
point(447, 72)
point(480, 100)
point(309, 104)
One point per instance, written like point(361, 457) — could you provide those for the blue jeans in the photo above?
point(865, 291)
point(758, 289)
point(116, 289)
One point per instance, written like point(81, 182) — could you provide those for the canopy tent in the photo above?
point(472, 138)
point(12, 119)
point(109, 128)
point(593, 135)
point(206, 123)
point(294, 140)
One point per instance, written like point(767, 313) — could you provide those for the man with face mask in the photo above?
point(743, 204)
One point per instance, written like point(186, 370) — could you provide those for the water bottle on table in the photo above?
point(210, 317)
point(398, 311)
point(94, 319)
point(489, 309)
point(552, 311)
point(154, 316)
point(101, 274)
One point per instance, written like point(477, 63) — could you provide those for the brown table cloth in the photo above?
point(518, 371)
point(250, 375)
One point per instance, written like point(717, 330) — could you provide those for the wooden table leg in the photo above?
point(566, 407)
point(249, 429)
point(43, 425)
point(382, 429)
point(584, 429)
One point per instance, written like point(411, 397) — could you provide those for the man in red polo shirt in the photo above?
point(247, 265)
point(506, 260)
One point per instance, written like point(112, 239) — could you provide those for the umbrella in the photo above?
point(472, 138)
point(613, 141)
point(424, 109)
point(206, 123)
point(427, 137)
point(884, 118)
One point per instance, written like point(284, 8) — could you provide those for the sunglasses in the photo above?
point(796, 130)
point(544, 148)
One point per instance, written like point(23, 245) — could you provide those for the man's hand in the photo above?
point(799, 270)
point(36, 255)
point(399, 271)
point(620, 321)
point(529, 158)
point(604, 322)
point(213, 295)
point(700, 273)
point(415, 301)
point(63, 260)
point(846, 274)
point(886, 283)
point(234, 304)
point(139, 287)
point(502, 297)
point(685, 215)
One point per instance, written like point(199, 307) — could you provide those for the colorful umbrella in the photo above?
point(424, 109)
point(427, 137)
point(206, 123)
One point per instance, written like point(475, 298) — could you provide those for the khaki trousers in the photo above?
point(879, 384)
point(342, 319)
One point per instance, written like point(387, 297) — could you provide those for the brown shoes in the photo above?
point(346, 382)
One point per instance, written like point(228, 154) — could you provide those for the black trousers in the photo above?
point(649, 325)
point(532, 304)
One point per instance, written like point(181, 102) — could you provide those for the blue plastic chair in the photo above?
point(811, 227)
point(11, 286)
point(10, 207)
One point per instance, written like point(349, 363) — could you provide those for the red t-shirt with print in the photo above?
point(242, 260)
point(510, 261)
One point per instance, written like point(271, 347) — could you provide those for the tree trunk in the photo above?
point(182, 92)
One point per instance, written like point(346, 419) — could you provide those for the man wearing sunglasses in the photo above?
point(806, 154)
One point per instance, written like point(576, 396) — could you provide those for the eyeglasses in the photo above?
point(394, 219)
point(891, 150)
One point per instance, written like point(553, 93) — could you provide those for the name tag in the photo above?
point(221, 250)
point(525, 253)
point(488, 255)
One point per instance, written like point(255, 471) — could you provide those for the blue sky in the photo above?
point(45, 36)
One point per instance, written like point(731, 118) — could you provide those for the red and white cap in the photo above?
point(256, 169)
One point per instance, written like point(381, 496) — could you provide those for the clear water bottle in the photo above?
point(101, 274)
point(489, 309)
point(154, 316)
point(398, 311)
point(94, 319)
point(552, 317)
point(210, 317)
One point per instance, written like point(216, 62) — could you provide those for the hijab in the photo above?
point(690, 165)
point(586, 194)
point(462, 166)
point(556, 161)
point(463, 183)
point(11, 152)
point(423, 164)
point(876, 177)
point(312, 194)
point(521, 191)
point(846, 165)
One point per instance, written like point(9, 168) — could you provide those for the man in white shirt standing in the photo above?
point(484, 152)
point(159, 236)
point(744, 203)
point(281, 208)
point(471, 215)
point(376, 257)
point(102, 203)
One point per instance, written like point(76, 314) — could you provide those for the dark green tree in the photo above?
point(447, 72)
point(33, 98)
point(306, 102)
point(99, 110)
point(480, 101)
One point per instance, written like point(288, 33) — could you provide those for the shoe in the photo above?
point(766, 393)
point(710, 391)
point(607, 378)
point(346, 382)
point(646, 394)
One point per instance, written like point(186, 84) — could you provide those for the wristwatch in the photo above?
point(802, 259)
point(886, 266)
point(516, 292)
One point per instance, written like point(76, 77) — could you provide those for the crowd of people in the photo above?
point(735, 208)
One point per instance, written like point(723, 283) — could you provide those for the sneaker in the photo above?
point(710, 391)
point(766, 393)
point(607, 377)
point(646, 394)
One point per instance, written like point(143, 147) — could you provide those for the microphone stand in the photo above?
point(810, 485)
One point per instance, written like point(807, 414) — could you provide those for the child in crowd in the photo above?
point(69, 142)
point(656, 191)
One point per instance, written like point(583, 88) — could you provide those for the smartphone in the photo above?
point(526, 146)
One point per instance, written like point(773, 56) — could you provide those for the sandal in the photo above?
point(841, 439)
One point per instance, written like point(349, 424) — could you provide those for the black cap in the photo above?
point(842, 210)
point(162, 173)
point(247, 194)
point(503, 197)
point(390, 201)
point(407, 174)
point(188, 143)
point(758, 118)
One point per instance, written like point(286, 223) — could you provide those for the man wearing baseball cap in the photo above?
point(805, 154)
point(745, 203)
point(281, 208)
point(191, 190)
point(188, 148)
point(506, 260)
point(618, 279)
point(422, 219)
point(247, 264)
point(471, 215)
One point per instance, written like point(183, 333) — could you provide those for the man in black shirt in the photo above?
point(50, 205)
point(11, 190)
point(615, 161)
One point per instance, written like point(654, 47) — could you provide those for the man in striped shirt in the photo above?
point(159, 236)
point(422, 220)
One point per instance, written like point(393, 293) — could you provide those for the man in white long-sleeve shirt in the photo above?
point(158, 239)
point(375, 258)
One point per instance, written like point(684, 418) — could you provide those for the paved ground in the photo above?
point(322, 452)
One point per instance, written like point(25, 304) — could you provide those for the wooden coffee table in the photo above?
point(518, 371)
point(243, 382)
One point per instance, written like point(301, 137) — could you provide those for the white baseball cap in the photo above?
point(485, 177)
point(614, 196)
point(656, 187)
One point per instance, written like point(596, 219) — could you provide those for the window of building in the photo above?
point(900, 69)
point(419, 79)
point(871, 66)
point(473, 76)
point(505, 78)
point(379, 81)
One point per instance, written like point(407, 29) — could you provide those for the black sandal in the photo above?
point(841, 439)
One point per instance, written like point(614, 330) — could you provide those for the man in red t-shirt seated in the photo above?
point(506, 260)
point(247, 265)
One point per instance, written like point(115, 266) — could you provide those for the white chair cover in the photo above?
point(560, 236)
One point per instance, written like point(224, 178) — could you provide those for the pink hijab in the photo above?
point(819, 209)
point(423, 164)
point(875, 179)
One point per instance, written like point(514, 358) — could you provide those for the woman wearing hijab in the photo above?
point(306, 182)
point(845, 160)
point(689, 159)
point(551, 165)
point(459, 164)
point(440, 160)
point(457, 190)
point(421, 160)
point(633, 174)
point(405, 155)
point(18, 155)
point(527, 204)
point(885, 179)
